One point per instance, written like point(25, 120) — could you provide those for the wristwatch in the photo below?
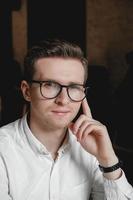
point(111, 168)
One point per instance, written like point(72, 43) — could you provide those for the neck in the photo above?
point(52, 139)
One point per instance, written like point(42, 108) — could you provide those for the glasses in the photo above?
point(51, 89)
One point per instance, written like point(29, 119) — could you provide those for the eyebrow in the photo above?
point(70, 83)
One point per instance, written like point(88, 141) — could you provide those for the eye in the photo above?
point(50, 84)
point(76, 87)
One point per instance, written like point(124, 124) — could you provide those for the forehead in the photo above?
point(60, 69)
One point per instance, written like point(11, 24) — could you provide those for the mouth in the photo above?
point(61, 112)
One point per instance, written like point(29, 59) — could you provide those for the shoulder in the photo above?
point(8, 134)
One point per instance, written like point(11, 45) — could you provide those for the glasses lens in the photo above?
point(76, 92)
point(50, 89)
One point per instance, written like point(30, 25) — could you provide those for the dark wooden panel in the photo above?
point(61, 19)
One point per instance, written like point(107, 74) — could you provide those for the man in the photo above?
point(49, 154)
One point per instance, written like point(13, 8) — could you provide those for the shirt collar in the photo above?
point(37, 146)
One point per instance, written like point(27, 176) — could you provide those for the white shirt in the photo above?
point(28, 172)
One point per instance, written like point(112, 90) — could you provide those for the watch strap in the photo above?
point(111, 168)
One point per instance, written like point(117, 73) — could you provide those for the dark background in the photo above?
point(67, 20)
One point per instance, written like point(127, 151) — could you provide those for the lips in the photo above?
point(61, 112)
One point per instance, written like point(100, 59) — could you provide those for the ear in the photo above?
point(25, 88)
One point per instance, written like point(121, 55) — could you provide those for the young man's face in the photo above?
point(58, 112)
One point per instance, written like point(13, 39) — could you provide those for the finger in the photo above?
point(70, 126)
point(81, 130)
point(78, 123)
point(84, 134)
point(85, 126)
point(86, 108)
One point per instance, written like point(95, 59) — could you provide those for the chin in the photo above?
point(61, 124)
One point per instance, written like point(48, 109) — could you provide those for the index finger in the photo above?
point(86, 108)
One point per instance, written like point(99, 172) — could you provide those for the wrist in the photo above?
point(110, 161)
point(113, 175)
point(111, 168)
point(112, 172)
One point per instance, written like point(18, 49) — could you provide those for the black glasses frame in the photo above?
point(61, 86)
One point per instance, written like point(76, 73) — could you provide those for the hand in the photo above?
point(93, 137)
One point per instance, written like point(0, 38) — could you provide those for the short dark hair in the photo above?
point(52, 48)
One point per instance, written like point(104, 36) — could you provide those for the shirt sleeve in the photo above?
point(4, 190)
point(105, 189)
point(118, 189)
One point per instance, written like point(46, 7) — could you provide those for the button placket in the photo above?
point(54, 181)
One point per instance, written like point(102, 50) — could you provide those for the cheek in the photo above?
point(36, 103)
point(76, 108)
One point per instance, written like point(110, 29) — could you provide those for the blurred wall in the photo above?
point(110, 34)
point(19, 31)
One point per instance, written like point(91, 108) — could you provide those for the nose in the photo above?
point(62, 98)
